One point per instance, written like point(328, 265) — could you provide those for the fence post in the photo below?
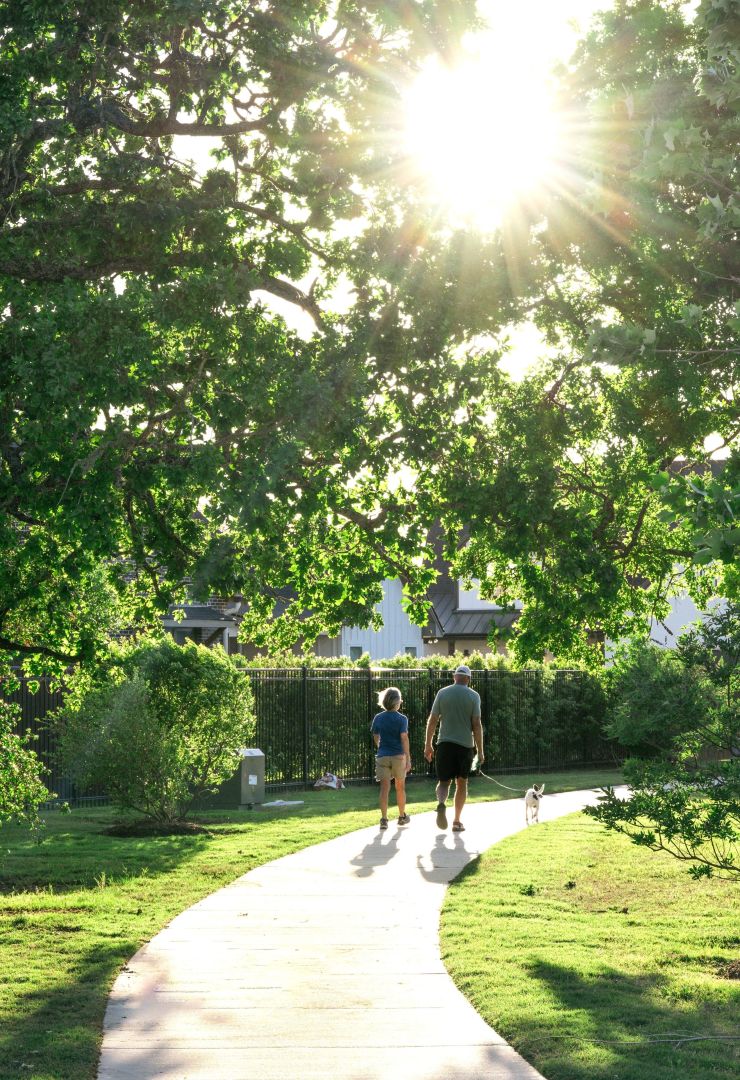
point(370, 715)
point(304, 703)
point(431, 694)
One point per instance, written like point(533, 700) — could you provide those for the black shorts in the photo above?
point(452, 760)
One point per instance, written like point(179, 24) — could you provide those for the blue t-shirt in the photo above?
point(390, 726)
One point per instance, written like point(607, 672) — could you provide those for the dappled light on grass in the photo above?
point(585, 952)
point(75, 908)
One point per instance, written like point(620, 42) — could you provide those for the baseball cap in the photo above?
point(462, 669)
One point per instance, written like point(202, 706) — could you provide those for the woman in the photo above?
point(390, 731)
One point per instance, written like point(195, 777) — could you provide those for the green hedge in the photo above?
point(315, 717)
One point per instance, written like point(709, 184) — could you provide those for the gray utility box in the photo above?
point(253, 778)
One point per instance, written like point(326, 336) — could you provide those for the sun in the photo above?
point(480, 137)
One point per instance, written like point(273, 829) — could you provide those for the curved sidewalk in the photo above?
point(322, 963)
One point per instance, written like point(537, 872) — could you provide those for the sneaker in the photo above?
point(384, 823)
point(403, 819)
point(441, 816)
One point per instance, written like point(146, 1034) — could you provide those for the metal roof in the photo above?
point(197, 615)
point(447, 620)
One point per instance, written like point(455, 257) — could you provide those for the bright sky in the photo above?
point(499, 112)
point(511, 63)
point(546, 30)
point(484, 133)
point(459, 135)
point(507, 64)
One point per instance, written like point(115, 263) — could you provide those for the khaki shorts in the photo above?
point(390, 766)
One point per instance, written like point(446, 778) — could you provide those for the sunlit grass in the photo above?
point(583, 950)
point(77, 906)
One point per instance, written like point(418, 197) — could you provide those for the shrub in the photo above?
point(655, 704)
point(436, 662)
point(711, 651)
point(669, 708)
point(21, 788)
point(158, 725)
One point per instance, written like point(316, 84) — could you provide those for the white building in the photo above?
point(459, 621)
point(397, 635)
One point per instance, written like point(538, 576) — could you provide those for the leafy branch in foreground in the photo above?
point(693, 815)
point(21, 787)
point(680, 712)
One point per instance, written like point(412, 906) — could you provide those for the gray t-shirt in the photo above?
point(457, 705)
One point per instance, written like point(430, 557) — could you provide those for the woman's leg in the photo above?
point(401, 796)
point(385, 787)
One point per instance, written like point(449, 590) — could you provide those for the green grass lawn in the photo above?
point(582, 950)
point(74, 908)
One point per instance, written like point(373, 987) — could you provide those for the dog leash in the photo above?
point(518, 790)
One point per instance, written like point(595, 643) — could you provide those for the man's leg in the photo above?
point(461, 794)
point(443, 787)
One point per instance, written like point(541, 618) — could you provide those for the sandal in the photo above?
point(384, 823)
point(457, 826)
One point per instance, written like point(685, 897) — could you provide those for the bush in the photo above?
point(693, 814)
point(157, 726)
point(711, 651)
point(21, 788)
point(670, 708)
point(656, 705)
point(540, 716)
point(437, 662)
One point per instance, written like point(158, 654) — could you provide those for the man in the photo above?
point(457, 710)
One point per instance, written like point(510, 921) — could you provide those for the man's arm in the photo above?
point(478, 738)
point(431, 728)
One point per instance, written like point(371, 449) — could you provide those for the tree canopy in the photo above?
point(159, 421)
point(591, 495)
point(162, 424)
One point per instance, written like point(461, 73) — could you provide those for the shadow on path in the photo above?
point(442, 858)
point(376, 853)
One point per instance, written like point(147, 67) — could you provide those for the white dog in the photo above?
point(532, 803)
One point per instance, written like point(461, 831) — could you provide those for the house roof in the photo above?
point(197, 615)
point(447, 620)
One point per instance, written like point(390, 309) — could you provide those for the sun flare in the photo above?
point(481, 137)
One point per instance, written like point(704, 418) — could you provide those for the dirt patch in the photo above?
point(156, 828)
point(731, 970)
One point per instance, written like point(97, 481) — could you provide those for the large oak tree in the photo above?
point(590, 493)
point(159, 422)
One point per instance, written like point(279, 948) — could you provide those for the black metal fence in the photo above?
point(310, 720)
point(36, 699)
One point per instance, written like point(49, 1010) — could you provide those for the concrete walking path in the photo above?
point(323, 963)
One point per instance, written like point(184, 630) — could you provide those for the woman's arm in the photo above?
point(406, 749)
